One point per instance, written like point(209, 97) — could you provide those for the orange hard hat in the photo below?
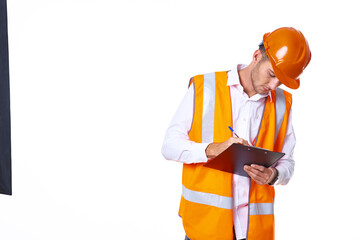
point(289, 54)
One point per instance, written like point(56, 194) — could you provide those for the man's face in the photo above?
point(263, 77)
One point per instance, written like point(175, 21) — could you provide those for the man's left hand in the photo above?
point(260, 174)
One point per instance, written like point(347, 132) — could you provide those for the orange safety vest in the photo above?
point(206, 202)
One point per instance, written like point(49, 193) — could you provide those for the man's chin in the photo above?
point(262, 91)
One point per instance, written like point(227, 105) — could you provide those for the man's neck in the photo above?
point(245, 81)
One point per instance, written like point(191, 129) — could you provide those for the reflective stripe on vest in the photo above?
point(208, 108)
point(280, 110)
point(207, 198)
point(224, 202)
point(261, 208)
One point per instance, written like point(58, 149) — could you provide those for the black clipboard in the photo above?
point(234, 158)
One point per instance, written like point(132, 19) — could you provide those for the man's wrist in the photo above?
point(211, 150)
point(274, 176)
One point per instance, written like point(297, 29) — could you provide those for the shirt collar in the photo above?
point(233, 80)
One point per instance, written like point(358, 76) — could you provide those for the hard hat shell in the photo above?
point(289, 54)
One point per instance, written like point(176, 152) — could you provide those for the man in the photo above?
point(219, 205)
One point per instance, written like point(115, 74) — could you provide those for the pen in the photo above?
point(233, 132)
point(236, 134)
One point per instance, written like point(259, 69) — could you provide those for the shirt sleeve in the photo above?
point(286, 164)
point(176, 145)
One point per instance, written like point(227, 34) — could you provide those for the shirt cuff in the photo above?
point(282, 176)
point(199, 151)
point(194, 154)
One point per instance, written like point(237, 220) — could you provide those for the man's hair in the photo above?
point(262, 50)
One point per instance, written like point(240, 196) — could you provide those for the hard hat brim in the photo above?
point(287, 81)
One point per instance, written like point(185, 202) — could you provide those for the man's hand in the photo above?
point(215, 149)
point(260, 174)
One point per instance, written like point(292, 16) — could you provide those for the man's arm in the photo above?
point(176, 145)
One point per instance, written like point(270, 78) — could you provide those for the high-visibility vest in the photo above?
point(206, 202)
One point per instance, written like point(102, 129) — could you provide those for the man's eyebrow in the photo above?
point(271, 71)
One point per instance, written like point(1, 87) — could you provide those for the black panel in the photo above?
point(5, 141)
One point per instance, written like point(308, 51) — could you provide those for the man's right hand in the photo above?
point(214, 149)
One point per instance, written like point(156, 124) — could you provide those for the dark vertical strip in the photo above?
point(5, 141)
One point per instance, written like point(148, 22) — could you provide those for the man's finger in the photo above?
point(241, 141)
point(256, 175)
point(258, 167)
point(256, 178)
point(244, 142)
point(254, 170)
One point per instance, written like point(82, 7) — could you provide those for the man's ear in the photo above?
point(257, 56)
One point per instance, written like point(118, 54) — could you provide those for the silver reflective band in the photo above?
point(208, 108)
point(279, 110)
point(261, 208)
point(207, 198)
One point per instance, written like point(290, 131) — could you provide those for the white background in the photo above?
point(94, 85)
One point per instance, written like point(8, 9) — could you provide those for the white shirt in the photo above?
point(247, 113)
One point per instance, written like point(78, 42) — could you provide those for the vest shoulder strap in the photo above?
point(212, 106)
point(277, 107)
